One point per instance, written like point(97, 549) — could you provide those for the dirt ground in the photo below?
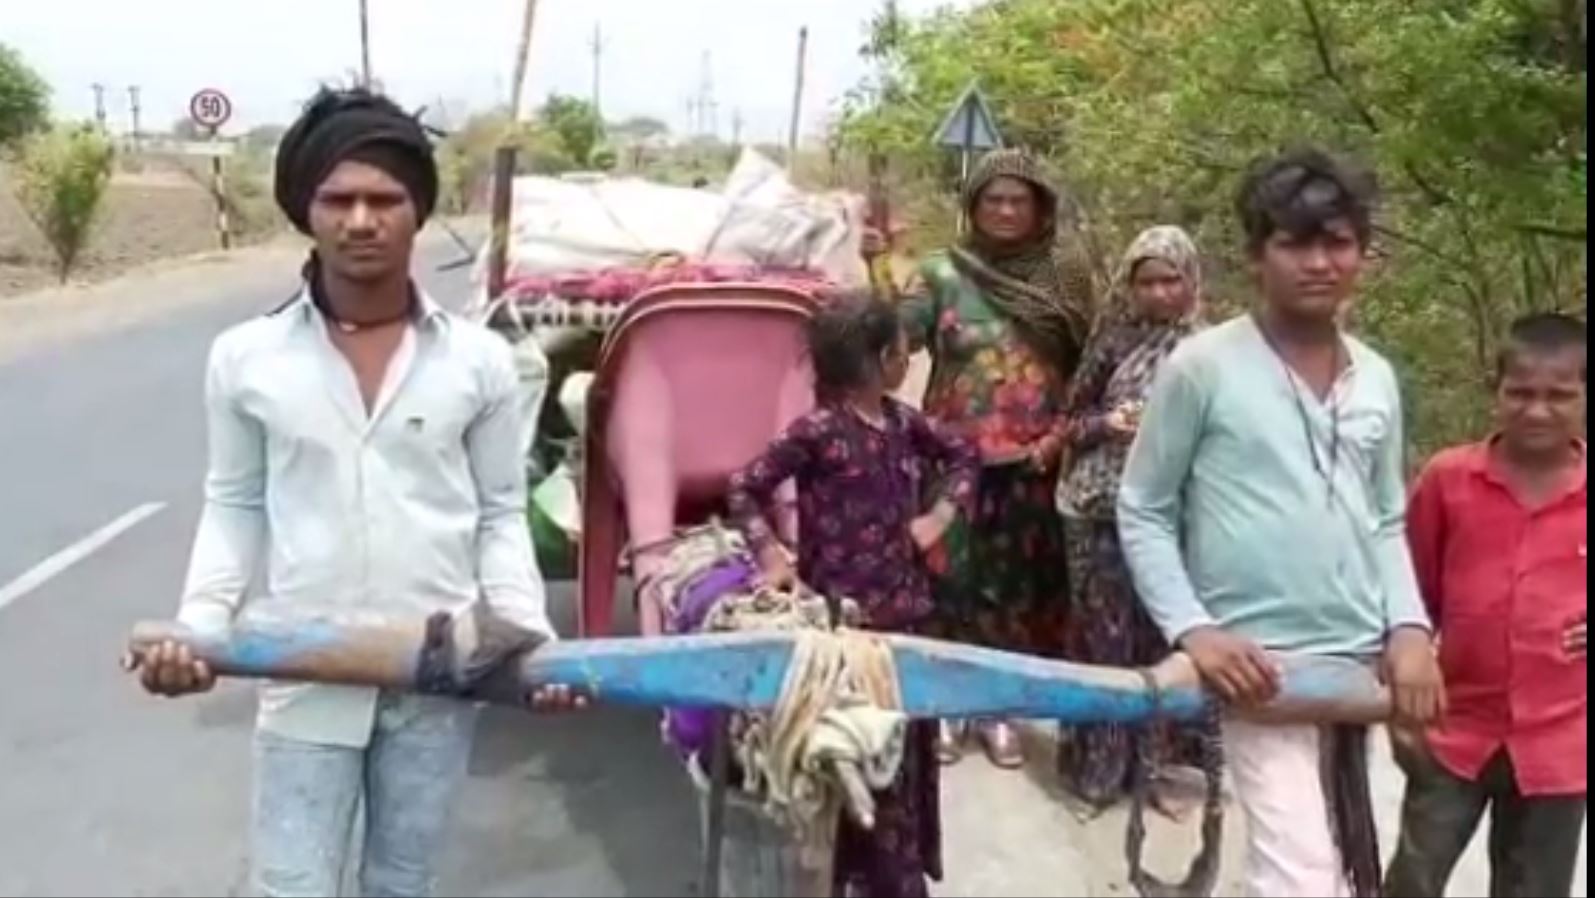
point(158, 213)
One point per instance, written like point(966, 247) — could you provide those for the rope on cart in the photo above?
point(1202, 876)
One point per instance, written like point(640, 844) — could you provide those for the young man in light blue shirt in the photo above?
point(1262, 515)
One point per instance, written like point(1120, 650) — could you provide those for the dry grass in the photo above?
point(157, 213)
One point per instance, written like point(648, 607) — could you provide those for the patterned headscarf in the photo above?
point(1042, 287)
point(1164, 243)
point(1132, 347)
point(1150, 341)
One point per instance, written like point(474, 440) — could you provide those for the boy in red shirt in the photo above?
point(1498, 534)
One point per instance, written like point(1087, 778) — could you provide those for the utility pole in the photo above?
point(365, 46)
point(99, 104)
point(797, 97)
point(505, 163)
point(736, 128)
point(134, 108)
point(523, 53)
point(598, 68)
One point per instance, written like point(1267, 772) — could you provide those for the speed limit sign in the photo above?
point(210, 108)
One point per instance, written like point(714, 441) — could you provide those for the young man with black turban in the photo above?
point(364, 454)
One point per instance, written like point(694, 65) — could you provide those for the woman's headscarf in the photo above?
point(1167, 244)
point(1147, 341)
point(1039, 285)
point(1125, 354)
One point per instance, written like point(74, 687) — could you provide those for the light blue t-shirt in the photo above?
point(1227, 513)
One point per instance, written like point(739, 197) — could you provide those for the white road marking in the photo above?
point(42, 572)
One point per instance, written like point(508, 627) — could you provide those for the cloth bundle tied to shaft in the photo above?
point(837, 732)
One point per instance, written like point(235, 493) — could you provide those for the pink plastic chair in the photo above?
point(692, 384)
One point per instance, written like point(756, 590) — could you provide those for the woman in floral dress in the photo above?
point(863, 463)
point(1004, 315)
point(1155, 303)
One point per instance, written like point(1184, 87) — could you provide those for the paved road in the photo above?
point(103, 791)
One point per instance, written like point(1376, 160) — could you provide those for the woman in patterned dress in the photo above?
point(1004, 314)
point(1155, 303)
point(864, 463)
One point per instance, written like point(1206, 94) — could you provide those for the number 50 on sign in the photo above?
point(210, 108)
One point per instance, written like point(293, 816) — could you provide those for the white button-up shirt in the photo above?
point(416, 507)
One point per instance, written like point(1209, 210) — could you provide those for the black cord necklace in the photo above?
point(318, 296)
point(1328, 474)
point(355, 327)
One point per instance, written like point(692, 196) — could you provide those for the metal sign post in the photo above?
point(218, 186)
point(210, 109)
point(969, 128)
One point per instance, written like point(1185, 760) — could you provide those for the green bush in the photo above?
point(61, 178)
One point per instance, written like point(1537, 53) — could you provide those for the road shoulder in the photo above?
point(46, 318)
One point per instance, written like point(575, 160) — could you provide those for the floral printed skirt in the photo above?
point(1001, 580)
point(1109, 626)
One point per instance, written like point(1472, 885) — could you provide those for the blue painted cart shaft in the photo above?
point(746, 671)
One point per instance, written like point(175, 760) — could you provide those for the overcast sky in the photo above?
point(269, 54)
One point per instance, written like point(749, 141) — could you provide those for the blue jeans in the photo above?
point(306, 797)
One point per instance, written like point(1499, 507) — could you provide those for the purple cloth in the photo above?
point(699, 594)
point(690, 730)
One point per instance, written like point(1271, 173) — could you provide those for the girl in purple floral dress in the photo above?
point(864, 465)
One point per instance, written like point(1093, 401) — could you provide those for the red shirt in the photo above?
point(1503, 583)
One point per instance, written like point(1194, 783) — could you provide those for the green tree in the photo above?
point(577, 124)
point(61, 176)
point(465, 158)
point(24, 98)
point(1471, 112)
